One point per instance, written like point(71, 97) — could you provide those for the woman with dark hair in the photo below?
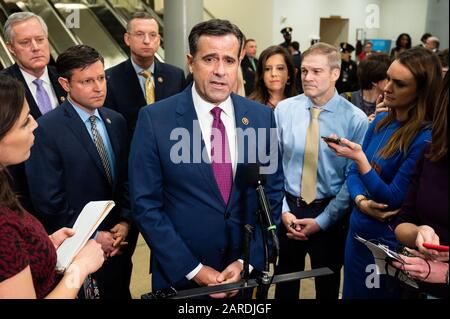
point(275, 77)
point(424, 215)
point(402, 44)
point(382, 169)
point(372, 78)
point(27, 252)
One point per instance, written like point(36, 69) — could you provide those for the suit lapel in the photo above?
point(34, 109)
point(79, 129)
point(59, 91)
point(130, 80)
point(242, 123)
point(186, 116)
point(159, 80)
point(113, 138)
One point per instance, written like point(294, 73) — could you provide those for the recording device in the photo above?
point(435, 247)
point(331, 140)
point(257, 181)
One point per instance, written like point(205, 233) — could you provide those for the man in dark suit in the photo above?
point(287, 35)
point(27, 40)
point(80, 155)
point(127, 91)
point(191, 197)
point(248, 65)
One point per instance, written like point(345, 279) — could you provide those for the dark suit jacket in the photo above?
point(248, 74)
point(14, 71)
point(178, 207)
point(19, 180)
point(125, 94)
point(65, 171)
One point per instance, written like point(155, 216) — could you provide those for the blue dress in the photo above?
point(387, 182)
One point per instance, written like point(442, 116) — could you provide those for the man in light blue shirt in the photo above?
point(312, 218)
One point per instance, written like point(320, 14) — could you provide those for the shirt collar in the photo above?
point(204, 107)
point(330, 106)
point(138, 69)
point(29, 78)
point(83, 114)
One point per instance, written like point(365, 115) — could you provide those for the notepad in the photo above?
point(86, 224)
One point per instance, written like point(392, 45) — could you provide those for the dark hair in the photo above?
point(425, 36)
point(443, 57)
point(261, 93)
point(426, 70)
point(372, 69)
point(249, 40)
point(214, 27)
point(439, 132)
point(139, 15)
point(12, 97)
point(76, 57)
point(399, 39)
point(295, 45)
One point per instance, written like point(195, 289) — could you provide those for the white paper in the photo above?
point(86, 224)
point(380, 253)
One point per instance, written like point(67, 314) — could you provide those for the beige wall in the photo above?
point(254, 17)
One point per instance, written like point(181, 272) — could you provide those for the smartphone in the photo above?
point(332, 140)
point(435, 247)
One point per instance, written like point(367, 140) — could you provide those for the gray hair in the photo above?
point(19, 17)
point(332, 53)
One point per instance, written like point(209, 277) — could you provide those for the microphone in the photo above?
point(257, 181)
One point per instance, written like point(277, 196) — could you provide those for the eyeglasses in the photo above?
point(141, 35)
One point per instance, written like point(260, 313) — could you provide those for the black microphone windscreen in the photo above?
point(252, 172)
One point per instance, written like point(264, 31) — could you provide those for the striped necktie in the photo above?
point(98, 141)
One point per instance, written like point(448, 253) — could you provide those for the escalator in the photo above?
point(91, 31)
point(59, 37)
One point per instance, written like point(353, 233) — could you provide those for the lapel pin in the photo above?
point(108, 121)
point(245, 121)
point(160, 79)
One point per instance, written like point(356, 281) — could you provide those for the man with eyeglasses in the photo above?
point(142, 79)
point(27, 40)
point(80, 154)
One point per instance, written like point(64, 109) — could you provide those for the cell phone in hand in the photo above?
point(332, 140)
point(435, 247)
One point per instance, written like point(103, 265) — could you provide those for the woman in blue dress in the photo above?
point(379, 177)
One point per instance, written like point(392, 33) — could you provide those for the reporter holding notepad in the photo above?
point(27, 253)
point(424, 215)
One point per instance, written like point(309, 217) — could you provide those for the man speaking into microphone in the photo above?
point(192, 208)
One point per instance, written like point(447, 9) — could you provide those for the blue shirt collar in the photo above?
point(83, 114)
point(138, 69)
point(330, 106)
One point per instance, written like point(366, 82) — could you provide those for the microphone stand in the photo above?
point(264, 278)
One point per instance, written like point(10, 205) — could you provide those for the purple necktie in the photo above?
point(43, 100)
point(220, 155)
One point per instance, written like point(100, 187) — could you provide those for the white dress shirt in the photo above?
point(47, 85)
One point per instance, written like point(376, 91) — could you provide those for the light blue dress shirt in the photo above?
point(141, 78)
point(101, 128)
point(338, 116)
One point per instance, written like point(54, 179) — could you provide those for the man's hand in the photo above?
point(119, 233)
point(105, 239)
point(206, 276)
point(375, 210)
point(293, 226)
point(309, 226)
point(230, 274)
point(61, 235)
